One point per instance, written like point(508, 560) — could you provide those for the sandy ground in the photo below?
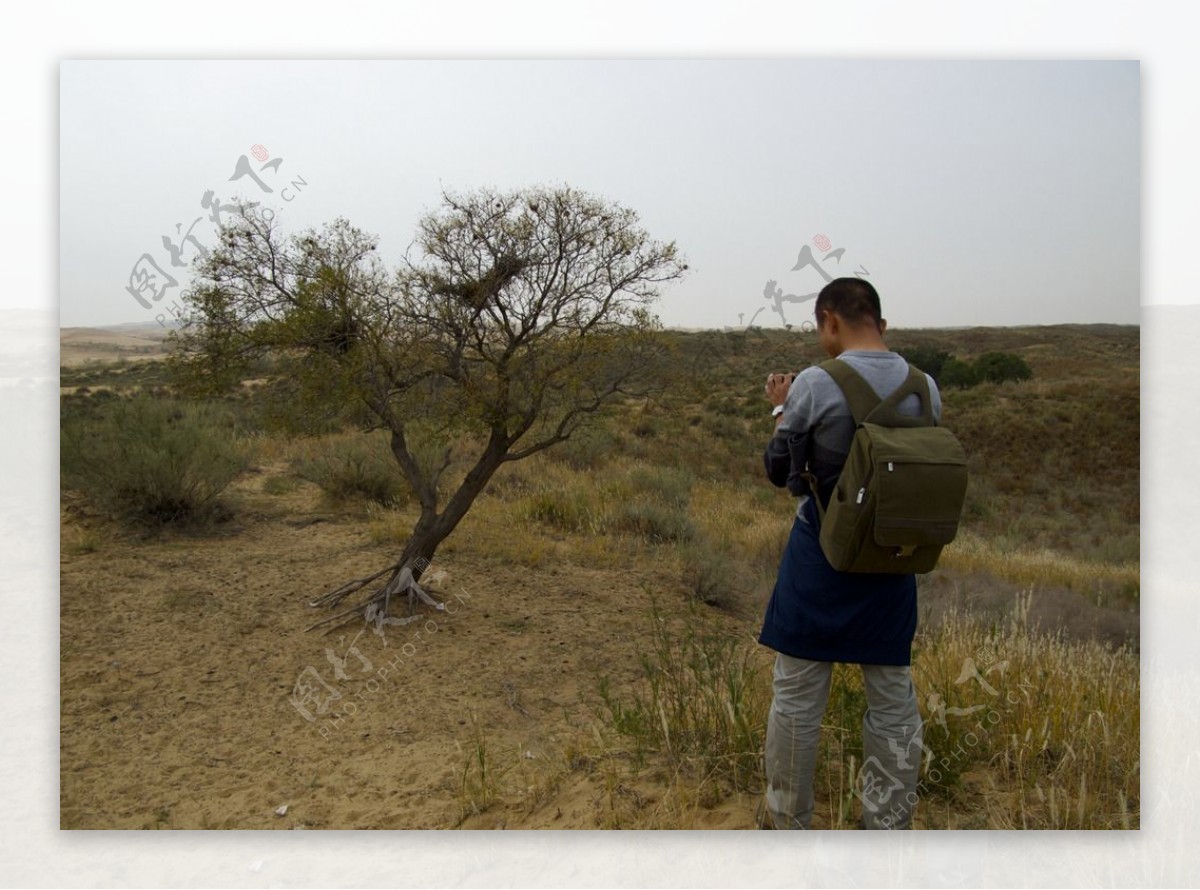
point(180, 659)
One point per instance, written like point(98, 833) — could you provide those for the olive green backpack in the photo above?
point(900, 494)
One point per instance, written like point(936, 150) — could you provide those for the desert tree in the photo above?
point(511, 321)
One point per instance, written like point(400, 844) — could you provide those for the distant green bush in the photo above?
point(929, 360)
point(997, 367)
point(958, 374)
point(948, 371)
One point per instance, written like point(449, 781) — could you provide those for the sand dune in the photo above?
point(132, 342)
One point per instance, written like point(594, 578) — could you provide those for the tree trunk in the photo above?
point(402, 576)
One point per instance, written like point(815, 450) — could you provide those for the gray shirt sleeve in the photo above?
point(799, 407)
point(786, 455)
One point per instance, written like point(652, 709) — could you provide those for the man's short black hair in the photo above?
point(853, 299)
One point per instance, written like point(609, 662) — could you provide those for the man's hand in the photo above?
point(777, 387)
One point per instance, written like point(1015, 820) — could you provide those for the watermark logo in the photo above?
point(149, 283)
point(878, 785)
point(774, 293)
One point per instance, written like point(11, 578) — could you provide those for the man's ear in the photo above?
point(882, 325)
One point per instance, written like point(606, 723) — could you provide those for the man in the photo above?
point(818, 615)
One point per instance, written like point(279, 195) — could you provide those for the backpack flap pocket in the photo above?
point(920, 482)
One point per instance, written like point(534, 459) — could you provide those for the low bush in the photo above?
point(151, 461)
point(355, 466)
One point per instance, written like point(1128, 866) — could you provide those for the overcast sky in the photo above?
point(968, 192)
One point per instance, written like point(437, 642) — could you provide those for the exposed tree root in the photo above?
point(374, 610)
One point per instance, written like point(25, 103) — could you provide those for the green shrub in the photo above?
point(586, 449)
point(358, 466)
point(724, 405)
point(91, 404)
point(958, 374)
point(570, 510)
point(670, 485)
point(997, 367)
point(928, 359)
point(151, 461)
point(730, 429)
point(652, 521)
point(709, 575)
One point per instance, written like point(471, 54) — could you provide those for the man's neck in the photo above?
point(873, 345)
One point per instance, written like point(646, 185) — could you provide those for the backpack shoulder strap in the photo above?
point(859, 394)
point(886, 413)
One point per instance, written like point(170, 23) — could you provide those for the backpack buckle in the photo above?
point(905, 551)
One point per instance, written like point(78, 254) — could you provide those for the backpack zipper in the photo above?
point(862, 492)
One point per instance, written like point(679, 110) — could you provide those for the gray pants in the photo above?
point(892, 743)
